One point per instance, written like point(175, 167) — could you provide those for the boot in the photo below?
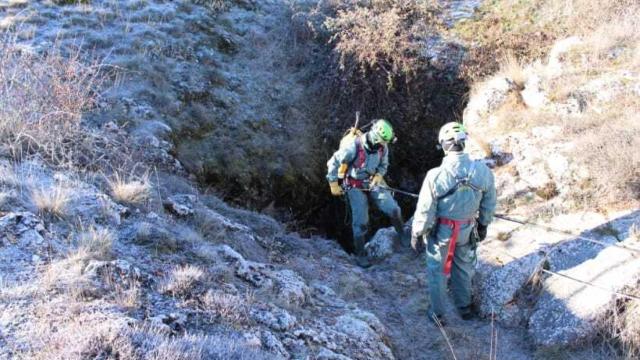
point(468, 312)
point(398, 224)
point(361, 256)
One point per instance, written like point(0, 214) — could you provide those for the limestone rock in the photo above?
point(499, 289)
point(486, 100)
point(273, 344)
point(180, 205)
point(172, 323)
point(290, 287)
point(367, 330)
point(381, 245)
point(22, 228)
point(256, 273)
point(557, 54)
point(273, 317)
point(568, 312)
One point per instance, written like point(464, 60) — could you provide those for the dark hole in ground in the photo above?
point(417, 112)
point(417, 108)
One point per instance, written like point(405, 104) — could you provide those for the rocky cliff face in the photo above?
point(546, 128)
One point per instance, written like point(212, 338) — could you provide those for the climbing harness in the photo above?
point(462, 182)
point(455, 231)
point(358, 163)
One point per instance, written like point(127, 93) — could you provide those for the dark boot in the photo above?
point(398, 224)
point(468, 312)
point(361, 255)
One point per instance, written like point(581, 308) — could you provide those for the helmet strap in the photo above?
point(452, 146)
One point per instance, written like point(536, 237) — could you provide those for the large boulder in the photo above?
point(569, 312)
point(381, 245)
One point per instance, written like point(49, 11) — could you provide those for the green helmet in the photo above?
point(453, 132)
point(382, 130)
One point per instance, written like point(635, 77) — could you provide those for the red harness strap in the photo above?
point(359, 162)
point(354, 183)
point(455, 228)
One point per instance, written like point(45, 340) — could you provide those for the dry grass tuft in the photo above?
point(621, 325)
point(513, 70)
point(130, 191)
point(52, 200)
point(97, 242)
point(113, 338)
point(65, 276)
point(182, 280)
point(608, 151)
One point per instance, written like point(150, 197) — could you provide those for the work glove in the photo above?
point(336, 190)
point(482, 232)
point(417, 244)
point(377, 180)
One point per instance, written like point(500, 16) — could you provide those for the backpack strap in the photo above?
point(361, 156)
point(464, 181)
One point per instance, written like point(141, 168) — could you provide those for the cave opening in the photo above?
point(417, 109)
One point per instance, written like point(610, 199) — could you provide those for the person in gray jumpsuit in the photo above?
point(364, 163)
point(456, 204)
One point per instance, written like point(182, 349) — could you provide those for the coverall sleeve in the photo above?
point(344, 155)
point(384, 162)
point(488, 202)
point(425, 215)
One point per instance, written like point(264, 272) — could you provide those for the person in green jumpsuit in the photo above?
point(358, 169)
point(456, 204)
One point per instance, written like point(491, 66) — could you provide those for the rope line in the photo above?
point(556, 230)
point(552, 229)
point(584, 282)
point(628, 296)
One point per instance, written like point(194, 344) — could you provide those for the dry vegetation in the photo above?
point(130, 190)
point(231, 308)
point(42, 99)
point(597, 82)
point(529, 28)
point(387, 35)
point(97, 241)
point(182, 280)
point(52, 200)
point(621, 326)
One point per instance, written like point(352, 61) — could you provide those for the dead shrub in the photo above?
point(231, 308)
point(387, 35)
point(513, 70)
point(214, 5)
point(42, 99)
point(528, 29)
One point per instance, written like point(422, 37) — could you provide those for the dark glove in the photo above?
point(482, 232)
point(417, 243)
